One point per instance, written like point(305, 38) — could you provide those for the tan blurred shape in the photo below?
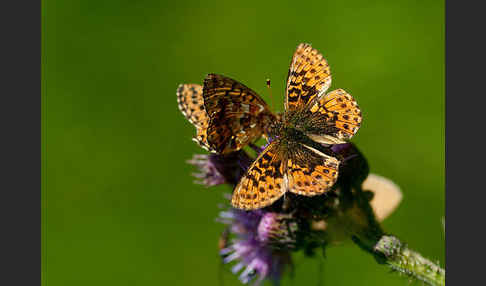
point(387, 195)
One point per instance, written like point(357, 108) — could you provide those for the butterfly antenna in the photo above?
point(270, 92)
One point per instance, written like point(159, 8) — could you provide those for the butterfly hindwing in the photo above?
point(309, 171)
point(309, 75)
point(264, 181)
point(191, 104)
point(336, 114)
point(237, 115)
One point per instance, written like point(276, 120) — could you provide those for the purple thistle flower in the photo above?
point(215, 169)
point(278, 229)
point(250, 247)
point(208, 173)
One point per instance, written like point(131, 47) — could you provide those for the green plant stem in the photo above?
point(406, 261)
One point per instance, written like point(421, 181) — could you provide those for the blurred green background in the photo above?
point(119, 205)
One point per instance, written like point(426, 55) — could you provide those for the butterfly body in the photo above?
point(294, 130)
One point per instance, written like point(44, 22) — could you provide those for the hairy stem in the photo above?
point(361, 224)
point(400, 258)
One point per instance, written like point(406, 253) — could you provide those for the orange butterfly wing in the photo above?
point(309, 75)
point(309, 171)
point(338, 114)
point(191, 104)
point(237, 115)
point(264, 181)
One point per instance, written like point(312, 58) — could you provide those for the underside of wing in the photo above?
point(191, 103)
point(335, 114)
point(309, 171)
point(264, 181)
point(237, 115)
point(309, 75)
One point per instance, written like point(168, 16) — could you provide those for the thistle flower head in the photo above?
point(254, 258)
point(278, 230)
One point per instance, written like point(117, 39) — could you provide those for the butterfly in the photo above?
point(228, 115)
point(297, 160)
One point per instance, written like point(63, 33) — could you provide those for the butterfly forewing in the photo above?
point(264, 182)
point(309, 171)
point(237, 115)
point(309, 75)
point(191, 104)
